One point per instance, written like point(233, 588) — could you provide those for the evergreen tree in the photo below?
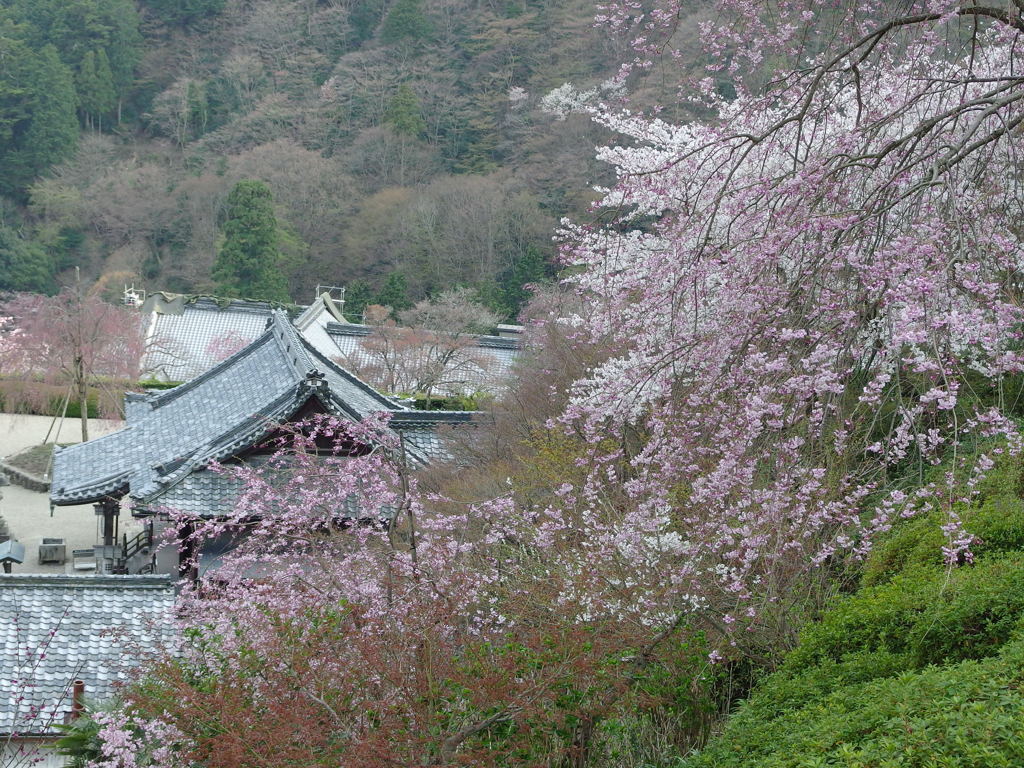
point(122, 43)
point(198, 108)
point(404, 113)
point(406, 22)
point(77, 27)
point(95, 86)
point(14, 96)
point(364, 18)
point(509, 293)
point(85, 80)
point(184, 12)
point(105, 97)
point(47, 130)
point(248, 264)
point(358, 294)
point(394, 293)
point(24, 265)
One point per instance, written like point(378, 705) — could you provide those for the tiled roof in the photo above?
point(209, 494)
point(86, 613)
point(187, 338)
point(189, 335)
point(202, 493)
point(213, 417)
point(486, 364)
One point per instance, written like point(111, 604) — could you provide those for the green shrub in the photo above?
point(998, 525)
point(915, 542)
point(920, 667)
point(932, 615)
point(967, 715)
point(996, 519)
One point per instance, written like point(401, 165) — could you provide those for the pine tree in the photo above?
point(48, 130)
point(364, 18)
point(13, 94)
point(358, 294)
point(395, 293)
point(404, 113)
point(406, 22)
point(185, 12)
point(198, 108)
point(248, 264)
point(509, 294)
point(95, 88)
point(24, 265)
point(85, 80)
point(105, 97)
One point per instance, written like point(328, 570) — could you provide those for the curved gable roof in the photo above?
point(213, 416)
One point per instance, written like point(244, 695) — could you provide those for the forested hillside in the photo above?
point(395, 136)
point(754, 495)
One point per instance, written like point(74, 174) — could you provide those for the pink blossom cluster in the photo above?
point(815, 292)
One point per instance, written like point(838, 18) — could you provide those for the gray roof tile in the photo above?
point(86, 614)
point(486, 367)
point(182, 346)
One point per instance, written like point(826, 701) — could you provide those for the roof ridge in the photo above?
point(217, 449)
point(134, 581)
point(291, 343)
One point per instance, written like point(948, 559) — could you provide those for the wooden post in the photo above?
point(188, 554)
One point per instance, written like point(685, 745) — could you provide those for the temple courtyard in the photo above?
point(27, 513)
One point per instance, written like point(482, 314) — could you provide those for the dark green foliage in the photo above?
point(406, 22)
point(248, 264)
point(920, 667)
point(78, 27)
point(184, 12)
point(996, 520)
point(66, 246)
point(24, 265)
point(358, 294)
point(509, 293)
point(930, 615)
point(14, 86)
point(80, 742)
point(404, 114)
point(198, 108)
point(478, 149)
point(38, 126)
point(965, 714)
point(95, 86)
point(446, 403)
point(364, 18)
point(394, 293)
point(54, 405)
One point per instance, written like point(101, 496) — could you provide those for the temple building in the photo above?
point(187, 335)
point(159, 461)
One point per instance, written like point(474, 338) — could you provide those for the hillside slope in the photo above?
point(399, 136)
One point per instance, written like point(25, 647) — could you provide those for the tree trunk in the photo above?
point(83, 397)
point(579, 754)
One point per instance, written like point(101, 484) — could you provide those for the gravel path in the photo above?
point(28, 513)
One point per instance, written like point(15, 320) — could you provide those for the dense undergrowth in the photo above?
point(923, 665)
